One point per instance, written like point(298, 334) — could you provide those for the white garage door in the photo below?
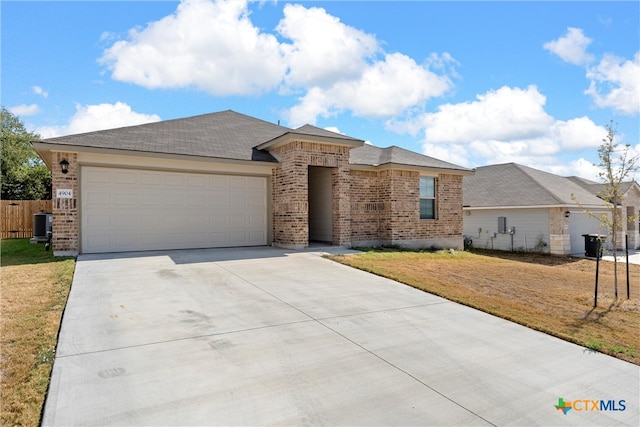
point(581, 223)
point(131, 210)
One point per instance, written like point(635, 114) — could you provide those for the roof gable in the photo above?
point(511, 184)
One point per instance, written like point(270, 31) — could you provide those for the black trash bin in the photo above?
point(592, 244)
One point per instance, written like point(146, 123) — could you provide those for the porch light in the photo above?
point(567, 214)
point(64, 165)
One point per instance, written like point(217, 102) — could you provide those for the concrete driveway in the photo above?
point(264, 336)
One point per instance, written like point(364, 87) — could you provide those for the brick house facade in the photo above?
point(370, 195)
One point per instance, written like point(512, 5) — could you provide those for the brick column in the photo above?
point(65, 210)
point(290, 199)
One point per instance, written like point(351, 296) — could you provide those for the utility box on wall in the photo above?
point(502, 224)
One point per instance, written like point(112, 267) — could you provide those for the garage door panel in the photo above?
point(152, 179)
point(123, 222)
point(145, 210)
point(95, 176)
point(175, 180)
point(151, 199)
point(197, 181)
point(98, 221)
point(237, 182)
point(123, 199)
point(97, 198)
point(125, 178)
point(257, 221)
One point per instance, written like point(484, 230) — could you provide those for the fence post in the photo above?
point(626, 249)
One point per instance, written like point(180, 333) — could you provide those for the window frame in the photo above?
point(433, 198)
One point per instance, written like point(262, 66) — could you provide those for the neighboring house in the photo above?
point(629, 208)
point(226, 179)
point(515, 207)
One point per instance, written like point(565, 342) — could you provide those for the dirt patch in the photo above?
point(548, 293)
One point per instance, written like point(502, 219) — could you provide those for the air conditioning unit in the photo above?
point(42, 225)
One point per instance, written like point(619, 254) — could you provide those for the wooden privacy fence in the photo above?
point(17, 217)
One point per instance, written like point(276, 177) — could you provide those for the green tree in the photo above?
point(24, 174)
point(617, 164)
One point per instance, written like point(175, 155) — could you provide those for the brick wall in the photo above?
point(386, 208)
point(366, 206)
point(65, 211)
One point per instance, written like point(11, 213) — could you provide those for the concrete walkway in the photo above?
point(263, 336)
point(634, 257)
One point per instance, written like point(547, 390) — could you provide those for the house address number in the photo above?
point(64, 194)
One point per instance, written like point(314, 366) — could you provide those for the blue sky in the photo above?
point(473, 83)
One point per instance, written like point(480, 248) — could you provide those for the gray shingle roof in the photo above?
point(371, 155)
point(231, 135)
point(599, 188)
point(225, 134)
point(512, 184)
point(316, 131)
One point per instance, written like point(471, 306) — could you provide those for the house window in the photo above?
point(427, 197)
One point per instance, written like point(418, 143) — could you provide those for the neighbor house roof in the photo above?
point(514, 185)
point(599, 188)
point(369, 155)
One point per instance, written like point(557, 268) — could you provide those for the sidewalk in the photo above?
point(634, 257)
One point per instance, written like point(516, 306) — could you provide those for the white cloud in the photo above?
point(334, 129)
point(615, 83)
point(572, 47)
point(457, 154)
point(577, 134)
point(39, 91)
point(385, 89)
point(212, 46)
point(505, 114)
point(505, 125)
point(88, 118)
point(25, 110)
point(582, 168)
point(323, 49)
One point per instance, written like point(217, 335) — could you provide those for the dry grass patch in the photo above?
point(35, 287)
point(548, 293)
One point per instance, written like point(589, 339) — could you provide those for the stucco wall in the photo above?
point(531, 229)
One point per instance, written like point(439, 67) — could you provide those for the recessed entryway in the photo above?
point(320, 204)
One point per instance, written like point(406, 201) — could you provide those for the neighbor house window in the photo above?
point(427, 197)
